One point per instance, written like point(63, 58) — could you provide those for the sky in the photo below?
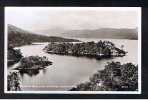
point(71, 18)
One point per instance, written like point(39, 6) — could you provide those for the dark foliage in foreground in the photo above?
point(13, 82)
point(115, 77)
point(101, 49)
point(14, 55)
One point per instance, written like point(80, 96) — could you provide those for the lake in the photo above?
point(68, 71)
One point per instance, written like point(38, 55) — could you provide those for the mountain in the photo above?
point(103, 33)
point(18, 37)
point(56, 31)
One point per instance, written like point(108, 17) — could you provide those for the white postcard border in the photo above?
point(80, 92)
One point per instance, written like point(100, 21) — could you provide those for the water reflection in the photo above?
point(69, 70)
point(31, 73)
point(44, 71)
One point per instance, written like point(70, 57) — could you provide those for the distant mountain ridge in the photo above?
point(104, 33)
point(19, 37)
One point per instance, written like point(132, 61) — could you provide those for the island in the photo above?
point(99, 50)
point(33, 63)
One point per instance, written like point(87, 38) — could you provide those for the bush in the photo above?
point(115, 77)
point(13, 80)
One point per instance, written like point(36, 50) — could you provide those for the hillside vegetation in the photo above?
point(19, 37)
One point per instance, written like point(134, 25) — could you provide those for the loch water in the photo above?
point(68, 71)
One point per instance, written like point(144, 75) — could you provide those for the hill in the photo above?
point(18, 37)
point(109, 33)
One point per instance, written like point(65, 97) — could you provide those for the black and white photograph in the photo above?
point(73, 50)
